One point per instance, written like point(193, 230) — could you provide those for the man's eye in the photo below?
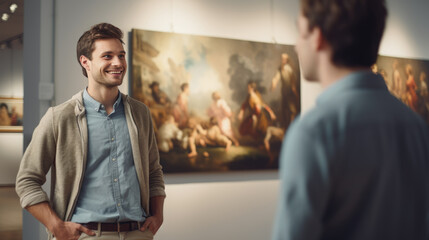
point(107, 56)
point(121, 56)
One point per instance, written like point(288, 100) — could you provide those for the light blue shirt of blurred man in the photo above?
point(356, 165)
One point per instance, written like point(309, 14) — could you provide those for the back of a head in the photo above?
point(85, 45)
point(353, 28)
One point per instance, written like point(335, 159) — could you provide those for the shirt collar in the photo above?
point(355, 80)
point(94, 104)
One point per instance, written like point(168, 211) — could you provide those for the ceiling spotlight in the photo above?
point(5, 17)
point(13, 7)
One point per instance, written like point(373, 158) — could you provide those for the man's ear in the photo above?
point(84, 61)
point(318, 40)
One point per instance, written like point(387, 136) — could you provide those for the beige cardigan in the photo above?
point(60, 143)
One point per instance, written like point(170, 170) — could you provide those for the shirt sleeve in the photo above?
point(304, 185)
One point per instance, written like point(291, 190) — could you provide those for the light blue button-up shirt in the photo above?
point(110, 189)
point(355, 167)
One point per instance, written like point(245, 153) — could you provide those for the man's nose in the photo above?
point(116, 61)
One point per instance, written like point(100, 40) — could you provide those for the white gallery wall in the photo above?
point(11, 84)
point(233, 206)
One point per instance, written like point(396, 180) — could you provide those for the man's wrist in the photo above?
point(159, 215)
point(55, 226)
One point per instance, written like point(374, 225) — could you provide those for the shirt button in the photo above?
point(113, 139)
point(115, 179)
point(119, 204)
point(114, 159)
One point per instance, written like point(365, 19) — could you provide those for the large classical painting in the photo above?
point(217, 104)
point(407, 80)
point(11, 113)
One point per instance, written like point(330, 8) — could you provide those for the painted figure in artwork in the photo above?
point(274, 134)
point(167, 134)
point(158, 95)
point(180, 109)
point(5, 119)
point(424, 97)
point(215, 137)
point(220, 110)
point(289, 92)
point(256, 121)
point(159, 103)
point(411, 85)
point(397, 81)
point(195, 135)
point(423, 86)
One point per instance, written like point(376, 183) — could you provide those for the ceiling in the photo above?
point(14, 26)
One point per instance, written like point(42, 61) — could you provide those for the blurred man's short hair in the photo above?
point(353, 28)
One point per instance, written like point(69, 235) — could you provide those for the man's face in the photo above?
point(108, 65)
point(305, 49)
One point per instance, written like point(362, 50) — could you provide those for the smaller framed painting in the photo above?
point(11, 114)
point(407, 80)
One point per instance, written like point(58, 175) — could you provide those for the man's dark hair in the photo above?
point(85, 45)
point(353, 28)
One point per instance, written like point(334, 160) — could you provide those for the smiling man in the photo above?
point(100, 146)
point(355, 166)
